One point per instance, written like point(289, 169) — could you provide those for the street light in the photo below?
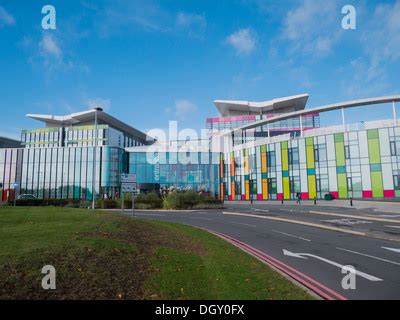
point(94, 156)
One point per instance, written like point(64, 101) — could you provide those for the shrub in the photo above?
point(107, 204)
point(329, 197)
point(189, 200)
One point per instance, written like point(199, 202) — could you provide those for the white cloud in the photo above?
point(244, 41)
point(6, 19)
point(182, 109)
point(187, 20)
point(313, 27)
point(49, 46)
point(99, 103)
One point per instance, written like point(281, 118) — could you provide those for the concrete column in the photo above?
point(301, 126)
point(394, 113)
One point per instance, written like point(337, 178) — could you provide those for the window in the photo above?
point(271, 162)
point(396, 180)
point(294, 156)
point(347, 152)
point(272, 185)
point(294, 184)
point(393, 150)
point(349, 184)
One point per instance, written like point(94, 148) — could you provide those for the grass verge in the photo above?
point(100, 255)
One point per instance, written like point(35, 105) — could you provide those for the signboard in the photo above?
point(128, 178)
point(129, 187)
point(16, 185)
point(128, 183)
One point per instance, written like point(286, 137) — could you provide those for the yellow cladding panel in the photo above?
point(264, 163)
point(310, 157)
point(247, 185)
point(286, 188)
point(285, 159)
point(265, 189)
point(233, 190)
point(246, 165)
point(312, 187)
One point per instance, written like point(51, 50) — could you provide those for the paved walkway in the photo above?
point(381, 206)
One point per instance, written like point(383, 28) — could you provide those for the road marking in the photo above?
point(305, 255)
point(391, 249)
point(397, 227)
point(354, 216)
point(369, 256)
point(244, 224)
point(200, 218)
point(310, 283)
point(309, 224)
point(149, 214)
point(262, 210)
point(291, 235)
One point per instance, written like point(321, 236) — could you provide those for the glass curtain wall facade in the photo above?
point(360, 164)
point(216, 125)
point(60, 173)
point(198, 171)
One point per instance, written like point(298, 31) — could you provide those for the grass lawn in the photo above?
point(107, 256)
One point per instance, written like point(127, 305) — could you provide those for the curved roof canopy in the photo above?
point(329, 107)
point(89, 117)
point(230, 107)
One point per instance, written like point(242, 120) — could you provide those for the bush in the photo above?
point(107, 204)
point(329, 197)
point(190, 200)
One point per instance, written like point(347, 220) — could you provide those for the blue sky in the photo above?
point(150, 61)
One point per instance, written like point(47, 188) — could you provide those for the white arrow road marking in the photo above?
point(369, 256)
point(392, 249)
point(290, 235)
point(305, 255)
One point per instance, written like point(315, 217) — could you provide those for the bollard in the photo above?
point(351, 202)
point(282, 201)
point(315, 201)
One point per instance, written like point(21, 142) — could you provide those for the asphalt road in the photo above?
point(318, 251)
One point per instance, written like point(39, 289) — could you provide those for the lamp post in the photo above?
point(94, 156)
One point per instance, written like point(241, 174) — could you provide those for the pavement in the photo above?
point(311, 244)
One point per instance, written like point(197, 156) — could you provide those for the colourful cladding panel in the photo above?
point(312, 187)
point(246, 165)
point(310, 153)
point(286, 188)
point(264, 162)
point(377, 184)
point(247, 187)
point(342, 185)
point(340, 156)
point(374, 152)
point(265, 189)
point(310, 157)
point(285, 160)
point(233, 190)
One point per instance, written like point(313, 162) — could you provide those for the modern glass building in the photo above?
point(160, 166)
point(82, 155)
point(73, 157)
point(235, 114)
point(346, 161)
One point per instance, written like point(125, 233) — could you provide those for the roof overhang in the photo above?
point(326, 108)
point(227, 107)
point(87, 116)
